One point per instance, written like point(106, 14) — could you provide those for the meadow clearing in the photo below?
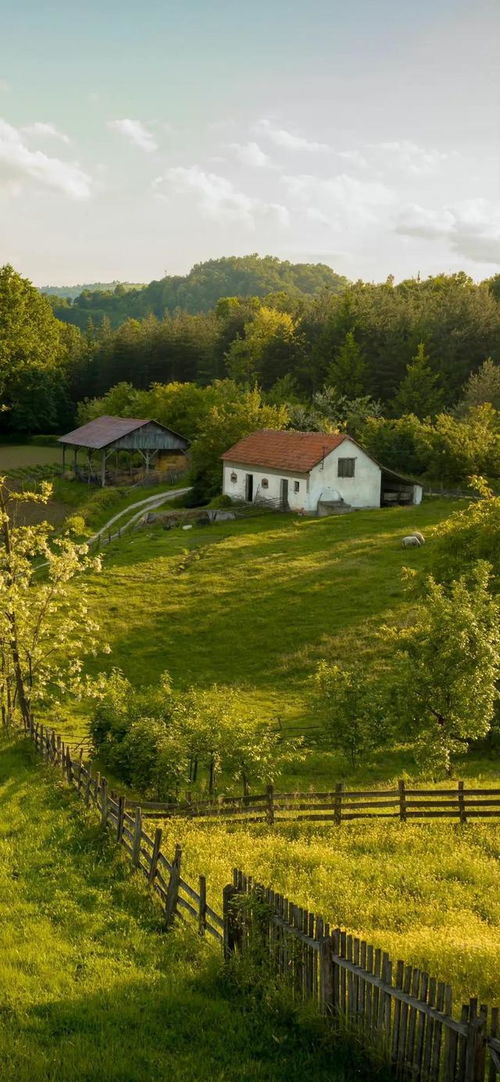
point(90, 988)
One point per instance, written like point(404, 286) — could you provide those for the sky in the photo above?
point(139, 139)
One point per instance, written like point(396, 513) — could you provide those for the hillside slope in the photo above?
point(90, 990)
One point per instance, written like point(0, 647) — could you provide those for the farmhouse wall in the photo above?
point(362, 490)
point(270, 493)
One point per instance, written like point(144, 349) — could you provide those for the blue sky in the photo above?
point(138, 139)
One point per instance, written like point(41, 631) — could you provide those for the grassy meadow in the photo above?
point(428, 893)
point(90, 986)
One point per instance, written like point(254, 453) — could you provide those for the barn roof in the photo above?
point(106, 430)
point(295, 451)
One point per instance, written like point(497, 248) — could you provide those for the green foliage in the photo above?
point(334, 412)
point(347, 372)
point(468, 535)
point(482, 386)
point(352, 709)
point(446, 666)
point(419, 393)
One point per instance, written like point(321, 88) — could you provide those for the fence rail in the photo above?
point(145, 852)
point(337, 806)
point(402, 1012)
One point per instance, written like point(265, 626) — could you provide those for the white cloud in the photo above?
point(136, 132)
point(218, 198)
point(250, 154)
point(411, 157)
point(287, 140)
point(18, 163)
point(472, 227)
point(341, 201)
point(42, 129)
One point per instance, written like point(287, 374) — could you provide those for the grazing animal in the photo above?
point(420, 537)
point(411, 541)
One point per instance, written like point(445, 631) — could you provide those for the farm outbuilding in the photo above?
point(313, 473)
point(109, 436)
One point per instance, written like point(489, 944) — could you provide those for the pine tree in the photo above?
point(419, 392)
point(347, 371)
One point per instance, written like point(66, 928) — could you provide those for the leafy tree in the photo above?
point(45, 626)
point(481, 387)
point(347, 373)
point(352, 710)
point(419, 392)
point(469, 535)
point(446, 666)
point(263, 353)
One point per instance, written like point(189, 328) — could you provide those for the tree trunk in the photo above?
point(24, 703)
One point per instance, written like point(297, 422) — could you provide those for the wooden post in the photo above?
point(270, 804)
point(232, 930)
point(337, 808)
point(104, 801)
point(202, 909)
point(88, 783)
point(69, 764)
point(402, 800)
point(136, 843)
point(59, 749)
point(119, 818)
point(476, 1047)
point(173, 887)
point(154, 855)
point(461, 802)
point(80, 764)
point(326, 976)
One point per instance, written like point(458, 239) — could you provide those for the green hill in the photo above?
point(199, 291)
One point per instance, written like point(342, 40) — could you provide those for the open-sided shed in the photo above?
point(109, 435)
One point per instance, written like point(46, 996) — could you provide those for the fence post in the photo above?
point(270, 804)
point(232, 927)
point(80, 764)
point(119, 818)
point(173, 887)
point(475, 1055)
point(326, 976)
point(88, 783)
point(58, 749)
point(154, 855)
point(402, 800)
point(337, 807)
point(104, 801)
point(53, 746)
point(461, 802)
point(136, 844)
point(69, 764)
point(202, 909)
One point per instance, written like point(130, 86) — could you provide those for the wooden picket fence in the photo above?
point(402, 1012)
point(178, 896)
point(399, 1011)
point(337, 806)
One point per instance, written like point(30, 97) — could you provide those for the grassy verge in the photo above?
point(89, 987)
point(427, 893)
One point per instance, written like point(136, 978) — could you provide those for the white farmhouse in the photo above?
point(312, 473)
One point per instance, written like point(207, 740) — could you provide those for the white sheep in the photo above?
point(410, 541)
point(420, 537)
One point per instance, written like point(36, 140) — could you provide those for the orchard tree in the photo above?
point(352, 709)
point(447, 665)
point(46, 626)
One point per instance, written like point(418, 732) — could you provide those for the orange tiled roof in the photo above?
point(295, 451)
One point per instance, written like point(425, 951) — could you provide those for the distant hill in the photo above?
point(196, 292)
point(70, 292)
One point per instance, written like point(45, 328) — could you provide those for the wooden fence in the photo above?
point(398, 1010)
point(339, 806)
point(145, 852)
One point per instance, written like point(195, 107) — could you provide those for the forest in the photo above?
point(411, 369)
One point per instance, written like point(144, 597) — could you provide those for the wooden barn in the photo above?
point(107, 436)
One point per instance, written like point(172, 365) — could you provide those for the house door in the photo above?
point(284, 493)
point(249, 487)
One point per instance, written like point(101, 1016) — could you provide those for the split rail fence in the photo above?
point(397, 1010)
point(341, 805)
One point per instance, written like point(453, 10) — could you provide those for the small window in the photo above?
point(296, 486)
point(264, 483)
point(346, 467)
point(234, 477)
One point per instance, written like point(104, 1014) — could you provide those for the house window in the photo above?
point(296, 486)
point(234, 477)
point(264, 483)
point(346, 467)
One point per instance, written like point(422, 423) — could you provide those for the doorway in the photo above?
point(284, 493)
point(249, 487)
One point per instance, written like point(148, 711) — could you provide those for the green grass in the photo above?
point(90, 987)
point(427, 893)
point(257, 603)
point(20, 456)
point(98, 505)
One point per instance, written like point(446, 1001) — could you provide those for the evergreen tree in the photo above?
point(419, 392)
point(347, 371)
